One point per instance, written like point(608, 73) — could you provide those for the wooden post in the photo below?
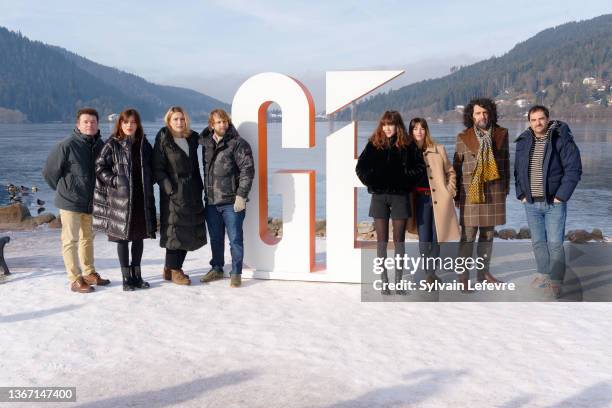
point(3, 265)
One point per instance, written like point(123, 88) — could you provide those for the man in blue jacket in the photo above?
point(547, 168)
point(70, 171)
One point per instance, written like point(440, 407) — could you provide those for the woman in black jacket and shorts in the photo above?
point(388, 167)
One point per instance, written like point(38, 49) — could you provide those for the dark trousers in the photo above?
point(221, 218)
point(484, 247)
point(175, 258)
point(123, 251)
point(426, 227)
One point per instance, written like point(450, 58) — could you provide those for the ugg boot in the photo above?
point(167, 274)
point(179, 277)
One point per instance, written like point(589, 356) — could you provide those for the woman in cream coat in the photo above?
point(435, 218)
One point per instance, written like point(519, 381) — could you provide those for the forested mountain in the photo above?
point(47, 83)
point(565, 66)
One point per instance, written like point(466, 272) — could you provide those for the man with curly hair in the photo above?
point(482, 163)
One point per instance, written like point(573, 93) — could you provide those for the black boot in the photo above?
point(127, 279)
point(137, 278)
point(400, 249)
point(385, 281)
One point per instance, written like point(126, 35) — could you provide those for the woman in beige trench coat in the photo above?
point(434, 217)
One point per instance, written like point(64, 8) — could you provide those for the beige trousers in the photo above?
point(77, 243)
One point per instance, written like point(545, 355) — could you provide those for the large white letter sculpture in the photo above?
point(292, 257)
point(342, 88)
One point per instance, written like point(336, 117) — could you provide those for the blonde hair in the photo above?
point(178, 109)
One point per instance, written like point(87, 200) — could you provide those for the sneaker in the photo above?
point(212, 275)
point(540, 281)
point(235, 280)
point(95, 279)
point(553, 290)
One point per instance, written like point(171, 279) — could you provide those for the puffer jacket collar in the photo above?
point(231, 133)
point(76, 133)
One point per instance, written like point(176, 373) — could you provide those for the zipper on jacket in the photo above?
point(130, 184)
point(92, 174)
point(146, 207)
point(210, 172)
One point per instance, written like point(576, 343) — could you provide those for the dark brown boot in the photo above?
point(81, 286)
point(95, 279)
point(167, 274)
point(179, 277)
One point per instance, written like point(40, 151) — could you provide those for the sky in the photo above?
point(213, 46)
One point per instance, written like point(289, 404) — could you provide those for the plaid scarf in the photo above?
point(486, 167)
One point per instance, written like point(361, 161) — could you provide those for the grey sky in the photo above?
point(212, 46)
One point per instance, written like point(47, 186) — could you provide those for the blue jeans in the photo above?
point(220, 218)
point(547, 225)
point(426, 226)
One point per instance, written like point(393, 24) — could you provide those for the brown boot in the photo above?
point(482, 276)
point(167, 274)
point(95, 279)
point(179, 277)
point(235, 280)
point(81, 286)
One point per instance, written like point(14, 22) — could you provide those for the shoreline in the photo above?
point(17, 217)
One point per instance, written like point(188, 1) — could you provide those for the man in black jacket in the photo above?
point(228, 175)
point(70, 171)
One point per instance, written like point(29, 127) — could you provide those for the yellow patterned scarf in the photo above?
point(486, 167)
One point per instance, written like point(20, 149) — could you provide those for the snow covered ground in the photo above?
point(286, 344)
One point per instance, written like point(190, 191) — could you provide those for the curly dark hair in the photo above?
point(485, 103)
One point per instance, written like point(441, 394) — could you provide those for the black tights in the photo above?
point(175, 258)
point(123, 251)
point(381, 225)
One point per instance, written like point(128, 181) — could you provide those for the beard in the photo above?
point(483, 124)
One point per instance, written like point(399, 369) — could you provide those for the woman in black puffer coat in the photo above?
point(181, 208)
point(124, 205)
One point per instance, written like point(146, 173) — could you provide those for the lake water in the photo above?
point(24, 149)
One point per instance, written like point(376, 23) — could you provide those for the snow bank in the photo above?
point(286, 344)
